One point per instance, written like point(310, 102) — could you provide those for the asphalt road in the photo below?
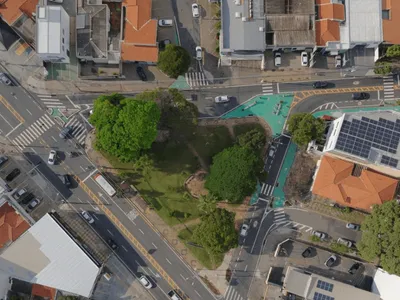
point(37, 151)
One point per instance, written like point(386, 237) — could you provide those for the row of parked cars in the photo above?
point(304, 59)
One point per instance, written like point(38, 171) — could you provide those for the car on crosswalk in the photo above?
point(65, 131)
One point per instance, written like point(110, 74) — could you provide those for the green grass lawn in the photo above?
point(211, 262)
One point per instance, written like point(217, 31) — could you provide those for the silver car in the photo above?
point(345, 242)
point(319, 234)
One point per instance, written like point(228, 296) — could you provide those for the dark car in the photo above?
point(64, 132)
point(27, 198)
point(112, 244)
point(359, 96)
point(308, 252)
point(66, 180)
point(320, 84)
point(14, 173)
point(3, 159)
point(353, 269)
point(5, 79)
point(141, 73)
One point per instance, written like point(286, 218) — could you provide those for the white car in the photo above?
point(338, 61)
point(145, 282)
point(165, 22)
point(34, 203)
point(304, 59)
point(345, 242)
point(195, 10)
point(222, 99)
point(199, 53)
point(244, 229)
point(277, 59)
point(19, 194)
point(87, 217)
point(52, 157)
point(319, 234)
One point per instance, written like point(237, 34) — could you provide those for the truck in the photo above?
point(104, 184)
point(174, 295)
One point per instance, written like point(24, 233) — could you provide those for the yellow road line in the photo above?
point(127, 234)
point(11, 109)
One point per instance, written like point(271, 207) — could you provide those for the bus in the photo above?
point(104, 184)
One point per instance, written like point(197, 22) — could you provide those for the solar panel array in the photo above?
point(359, 136)
point(389, 161)
point(325, 285)
point(319, 296)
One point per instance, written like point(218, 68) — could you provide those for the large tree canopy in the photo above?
point(216, 232)
point(174, 60)
point(233, 173)
point(124, 127)
point(381, 236)
point(304, 128)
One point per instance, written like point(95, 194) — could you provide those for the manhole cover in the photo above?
point(356, 82)
point(359, 103)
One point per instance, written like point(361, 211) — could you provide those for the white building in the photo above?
point(52, 33)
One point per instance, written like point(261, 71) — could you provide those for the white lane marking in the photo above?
point(13, 129)
point(26, 137)
point(197, 293)
point(6, 120)
point(168, 261)
point(141, 231)
point(37, 132)
point(49, 119)
point(33, 150)
point(28, 112)
point(182, 277)
point(20, 141)
point(245, 268)
point(44, 96)
point(96, 217)
point(54, 138)
point(123, 247)
point(66, 96)
point(154, 245)
point(79, 199)
point(110, 232)
point(89, 175)
point(32, 133)
point(84, 170)
point(38, 128)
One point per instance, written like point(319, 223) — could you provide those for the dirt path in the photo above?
point(179, 227)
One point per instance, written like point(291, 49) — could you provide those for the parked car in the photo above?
point(33, 204)
point(145, 282)
point(195, 10)
point(244, 229)
point(162, 44)
point(56, 1)
point(17, 195)
point(66, 180)
point(338, 61)
point(345, 242)
point(165, 22)
point(320, 84)
point(65, 131)
point(112, 244)
point(304, 59)
point(87, 217)
point(27, 198)
point(199, 53)
point(319, 234)
point(277, 59)
point(331, 260)
point(52, 157)
point(354, 267)
point(353, 226)
point(3, 159)
point(14, 173)
point(271, 151)
point(5, 79)
point(359, 96)
point(308, 252)
point(222, 99)
point(142, 75)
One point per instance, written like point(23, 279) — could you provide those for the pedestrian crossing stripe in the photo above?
point(232, 294)
point(267, 189)
point(388, 90)
point(51, 102)
point(267, 89)
point(196, 79)
point(79, 130)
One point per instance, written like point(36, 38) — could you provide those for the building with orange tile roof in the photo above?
point(349, 185)
point(139, 38)
point(391, 21)
point(44, 291)
point(12, 225)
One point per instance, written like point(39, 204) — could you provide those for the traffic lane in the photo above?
point(184, 277)
point(7, 120)
point(311, 103)
point(336, 83)
point(273, 164)
point(333, 227)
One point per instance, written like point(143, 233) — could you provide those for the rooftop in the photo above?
point(283, 7)
point(48, 22)
point(392, 24)
point(335, 180)
point(240, 31)
point(312, 286)
point(44, 291)
point(140, 32)
point(12, 225)
point(54, 259)
point(386, 285)
point(11, 10)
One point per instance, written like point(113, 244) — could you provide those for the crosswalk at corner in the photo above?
point(267, 89)
point(232, 294)
point(281, 219)
point(388, 91)
point(280, 216)
point(79, 130)
point(196, 79)
point(51, 102)
point(267, 189)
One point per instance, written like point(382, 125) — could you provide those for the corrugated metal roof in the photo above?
point(46, 255)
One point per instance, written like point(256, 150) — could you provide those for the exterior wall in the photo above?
point(333, 134)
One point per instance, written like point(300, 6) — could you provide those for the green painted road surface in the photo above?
point(273, 109)
point(180, 83)
point(339, 112)
point(254, 197)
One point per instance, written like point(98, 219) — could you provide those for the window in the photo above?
point(386, 14)
point(63, 31)
point(318, 296)
point(62, 48)
point(323, 285)
point(67, 52)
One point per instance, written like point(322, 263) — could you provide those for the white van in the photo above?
point(165, 22)
point(278, 59)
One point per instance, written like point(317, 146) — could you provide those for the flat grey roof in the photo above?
point(289, 7)
point(242, 35)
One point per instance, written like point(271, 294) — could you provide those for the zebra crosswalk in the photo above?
point(79, 130)
point(196, 79)
point(232, 294)
point(34, 131)
point(388, 91)
point(51, 102)
point(280, 216)
point(267, 189)
point(267, 89)
point(282, 219)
